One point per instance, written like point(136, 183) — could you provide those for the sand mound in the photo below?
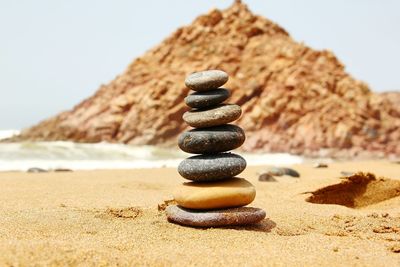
point(294, 99)
point(122, 213)
point(357, 191)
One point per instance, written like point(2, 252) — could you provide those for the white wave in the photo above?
point(271, 159)
point(77, 156)
point(8, 133)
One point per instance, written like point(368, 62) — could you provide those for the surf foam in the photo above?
point(77, 156)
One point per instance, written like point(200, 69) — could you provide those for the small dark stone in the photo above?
point(266, 177)
point(212, 140)
point(214, 218)
point(280, 171)
point(211, 167)
point(320, 165)
point(291, 172)
point(216, 116)
point(36, 170)
point(276, 171)
point(62, 170)
point(206, 80)
point(207, 99)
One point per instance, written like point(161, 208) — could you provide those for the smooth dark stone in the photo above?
point(291, 172)
point(211, 167)
point(206, 80)
point(266, 177)
point(62, 170)
point(214, 218)
point(276, 171)
point(212, 140)
point(319, 165)
point(207, 98)
point(280, 171)
point(219, 115)
point(36, 170)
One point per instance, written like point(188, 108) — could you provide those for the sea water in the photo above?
point(21, 156)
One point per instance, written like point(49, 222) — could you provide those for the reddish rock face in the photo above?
point(294, 99)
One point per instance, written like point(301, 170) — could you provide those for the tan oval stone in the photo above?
point(234, 192)
point(219, 115)
point(206, 80)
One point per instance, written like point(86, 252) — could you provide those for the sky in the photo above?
point(55, 53)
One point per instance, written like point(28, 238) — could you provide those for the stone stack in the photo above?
point(214, 197)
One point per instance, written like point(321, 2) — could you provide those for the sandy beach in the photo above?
point(106, 115)
point(111, 217)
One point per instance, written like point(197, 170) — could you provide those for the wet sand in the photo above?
point(111, 217)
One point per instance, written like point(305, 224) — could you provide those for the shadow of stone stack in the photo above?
point(214, 197)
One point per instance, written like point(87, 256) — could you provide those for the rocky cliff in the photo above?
point(294, 99)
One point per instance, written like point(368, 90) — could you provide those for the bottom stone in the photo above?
point(214, 218)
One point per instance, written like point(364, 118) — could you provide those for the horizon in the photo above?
point(66, 60)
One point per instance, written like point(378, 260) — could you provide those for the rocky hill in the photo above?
point(294, 99)
point(394, 98)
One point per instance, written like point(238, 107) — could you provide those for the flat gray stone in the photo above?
point(280, 171)
point(291, 172)
point(62, 170)
point(206, 80)
point(320, 165)
point(276, 171)
point(266, 177)
point(207, 98)
point(214, 218)
point(213, 167)
point(212, 140)
point(36, 170)
point(219, 115)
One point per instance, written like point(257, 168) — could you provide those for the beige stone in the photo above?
point(216, 116)
point(234, 192)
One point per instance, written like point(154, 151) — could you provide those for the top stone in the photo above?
point(206, 80)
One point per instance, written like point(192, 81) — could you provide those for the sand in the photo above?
point(111, 218)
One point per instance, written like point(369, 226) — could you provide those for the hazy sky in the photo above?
point(54, 53)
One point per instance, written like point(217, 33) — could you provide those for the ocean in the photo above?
point(77, 156)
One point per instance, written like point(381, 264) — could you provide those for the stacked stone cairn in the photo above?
point(215, 196)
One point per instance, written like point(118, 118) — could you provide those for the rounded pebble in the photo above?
point(266, 177)
point(291, 172)
point(280, 171)
point(206, 80)
point(207, 99)
point(212, 140)
point(35, 170)
point(320, 165)
point(234, 192)
point(213, 167)
point(219, 115)
point(214, 218)
point(276, 171)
